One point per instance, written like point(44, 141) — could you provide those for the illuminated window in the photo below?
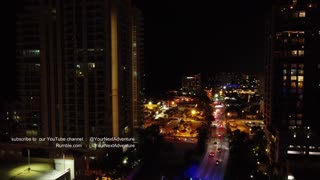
point(294, 53)
point(300, 85)
point(293, 78)
point(297, 53)
point(284, 78)
point(299, 122)
point(300, 72)
point(293, 85)
point(284, 72)
point(293, 65)
point(126, 129)
point(293, 72)
point(91, 65)
point(31, 52)
point(300, 78)
point(301, 52)
point(285, 65)
point(79, 69)
point(302, 14)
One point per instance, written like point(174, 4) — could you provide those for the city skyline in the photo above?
point(242, 82)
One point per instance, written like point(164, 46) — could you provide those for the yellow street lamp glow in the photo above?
point(37, 169)
point(228, 114)
point(193, 112)
point(125, 160)
point(150, 102)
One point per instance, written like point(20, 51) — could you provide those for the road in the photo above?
point(208, 168)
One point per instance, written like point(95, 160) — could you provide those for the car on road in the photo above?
point(211, 154)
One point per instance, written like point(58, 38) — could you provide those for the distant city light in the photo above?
point(125, 160)
point(193, 112)
point(290, 177)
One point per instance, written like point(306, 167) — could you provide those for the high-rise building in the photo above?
point(292, 86)
point(79, 68)
point(138, 74)
point(191, 84)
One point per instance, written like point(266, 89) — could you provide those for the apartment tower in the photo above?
point(79, 68)
point(292, 86)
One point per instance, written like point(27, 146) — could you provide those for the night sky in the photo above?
point(185, 37)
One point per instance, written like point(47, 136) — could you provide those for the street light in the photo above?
point(193, 112)
point(64, 162)
point(29, 160)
